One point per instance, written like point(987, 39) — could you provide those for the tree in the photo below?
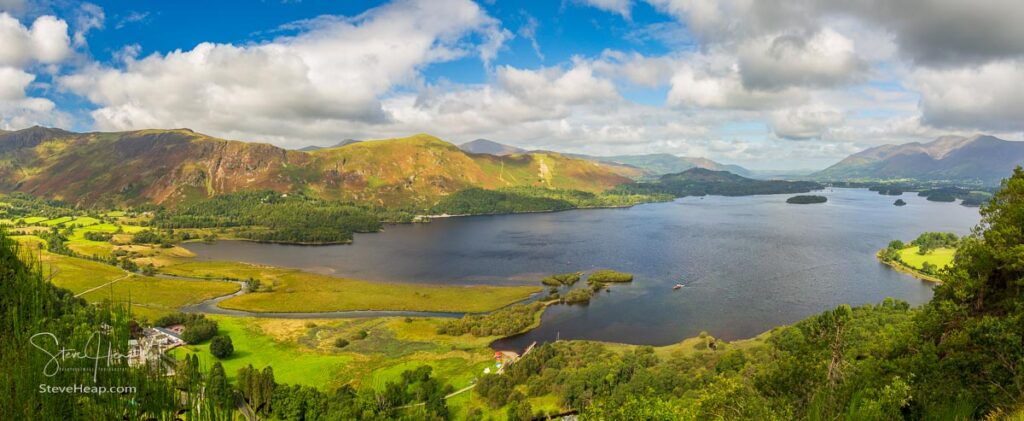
point(221, 346)
point(217, 388)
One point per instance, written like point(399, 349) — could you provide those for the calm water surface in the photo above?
point(748, 263)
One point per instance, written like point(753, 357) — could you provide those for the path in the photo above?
point(101, 286)
point(470, 387)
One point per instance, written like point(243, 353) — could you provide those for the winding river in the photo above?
point(748, 263)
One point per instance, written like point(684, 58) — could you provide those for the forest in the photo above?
point(476, 201)
point(504, 322)
point(702, 182)
point(276, 217)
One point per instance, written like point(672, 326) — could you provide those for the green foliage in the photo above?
point(340, 343)
point(932, 240)
point(703, 182)
point(507, 321)
point(565, 279)
point(33, 310)
point(477, 201)
point(221, 346)
point(275, 217)
point(197, 328)
point(578, 295)
point(608, 275)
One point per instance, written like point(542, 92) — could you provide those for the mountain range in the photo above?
point(175, 166)
point(311, 148)
point(649, 165)
point(977, 159)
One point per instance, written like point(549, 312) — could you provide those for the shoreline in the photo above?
point(903, 268)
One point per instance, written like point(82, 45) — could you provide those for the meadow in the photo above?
point(292, 290)
point(940, 257)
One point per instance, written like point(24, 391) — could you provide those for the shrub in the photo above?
point(340, 343)
point(608, 275)
point(221, 346)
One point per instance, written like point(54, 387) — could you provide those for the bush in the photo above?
point(340, 343)
point(567, 279)
point(608, 275)
point(507, 321)
point(221, 346)
point(578, 295)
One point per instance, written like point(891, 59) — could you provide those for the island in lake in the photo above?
point(806, 199)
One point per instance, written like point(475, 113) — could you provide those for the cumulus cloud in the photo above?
point(930, 32)
point(805, 122)
point(987, 97)
point(334, 71)
point(715, 81)
point(824, 58)
point(45, 42)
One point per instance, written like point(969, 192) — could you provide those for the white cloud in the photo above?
point(825, 58)
point(622, 7)
point(714, 81)
point(88, 17)
point(45, 42)
point(805, 122)
point(988, 97)
point(333, 72)
point(18, 110)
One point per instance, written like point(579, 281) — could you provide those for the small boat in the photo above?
point(678, 286)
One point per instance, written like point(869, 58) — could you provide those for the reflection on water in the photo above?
point(748, 263)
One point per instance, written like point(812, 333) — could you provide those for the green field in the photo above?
point(298, 291)
point(940, 257)
point(303, 351)
point(160, 296)
point(291, 364)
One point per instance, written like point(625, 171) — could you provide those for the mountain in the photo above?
point(980, 159)
point(663, 163)
point(311, 148)
point(490, 147)
point(175, 166)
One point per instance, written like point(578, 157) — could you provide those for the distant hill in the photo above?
point(336, 145)
point(979, 159)
point(701, 182)
point(663, 163)
point(490, 147)
point(175, 166)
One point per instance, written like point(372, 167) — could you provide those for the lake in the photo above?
point(749, 263)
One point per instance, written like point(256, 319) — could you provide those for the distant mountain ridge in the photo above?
point(979, 159)
point(663, 163)
point(312, 148)
point(490, 147)
point(176, 166)
point(646, 165)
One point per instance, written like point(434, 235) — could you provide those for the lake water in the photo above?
point(748, 263)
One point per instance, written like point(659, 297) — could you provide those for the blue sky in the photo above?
point(768, 84)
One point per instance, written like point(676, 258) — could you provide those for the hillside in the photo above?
point(175, 166)
point(977, 159)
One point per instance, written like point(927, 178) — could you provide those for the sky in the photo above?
point(768, 84)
